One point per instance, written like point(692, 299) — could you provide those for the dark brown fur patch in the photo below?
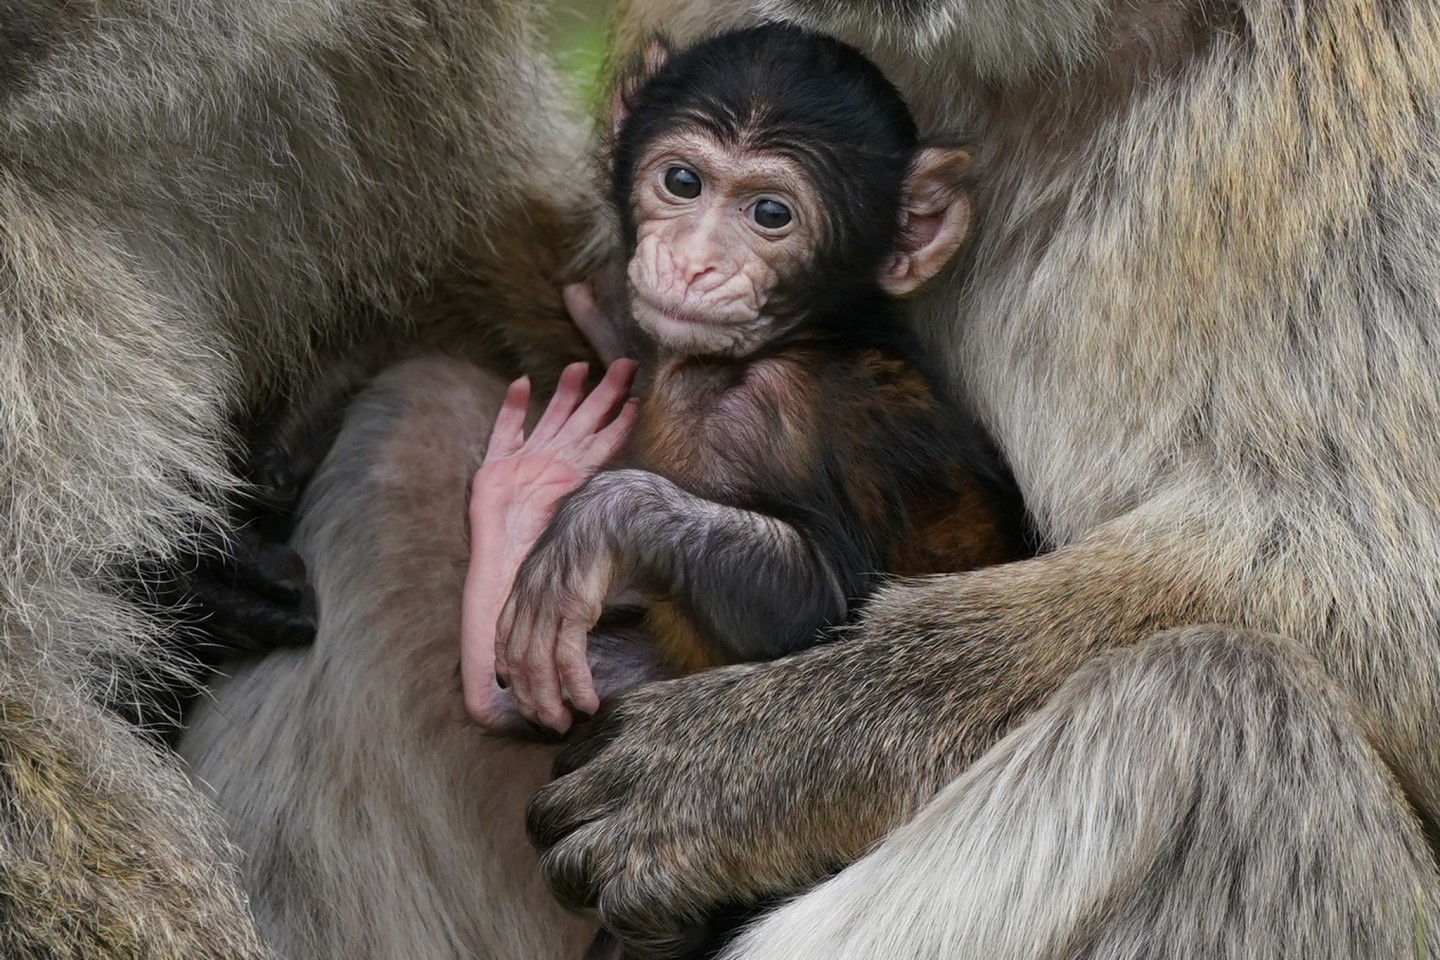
point(30, 31)
point(973, 531)
point(681, 645)
point(897, 384)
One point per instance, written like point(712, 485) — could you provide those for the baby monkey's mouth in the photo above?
point(648, 311)
point(697, 332)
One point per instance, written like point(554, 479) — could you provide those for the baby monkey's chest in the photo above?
point(711, 428)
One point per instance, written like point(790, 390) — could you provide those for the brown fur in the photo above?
point(716, 438)
point(973, 531)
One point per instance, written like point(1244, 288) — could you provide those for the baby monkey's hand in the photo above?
point(542, 639)
point(512, 499)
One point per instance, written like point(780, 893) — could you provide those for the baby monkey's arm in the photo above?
point(751, 584)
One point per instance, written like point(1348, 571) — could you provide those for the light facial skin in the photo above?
point(718, 226)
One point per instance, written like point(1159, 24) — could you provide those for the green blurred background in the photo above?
point(578, 39)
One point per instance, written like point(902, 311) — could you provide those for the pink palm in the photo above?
point(512, 499)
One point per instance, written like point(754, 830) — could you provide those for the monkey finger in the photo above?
point(569, 868)
point(574, 666)
point(494, 710)
point(482, 664)
point(242, 620)
point(508, 433)
point(601, 329)
point(477, 648)
point(568, 394)
point(514, 642)
point(543, 677)
point(598, 734)
point(608, 441)
point(513, 659)
point(505, 643)
point(270, 568)
point(609, 393)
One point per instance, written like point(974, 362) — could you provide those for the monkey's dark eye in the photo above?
point(771, 214)
point(683, 182)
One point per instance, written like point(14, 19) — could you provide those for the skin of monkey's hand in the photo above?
point(512, 498)
point(692, 798)
point(540, 648)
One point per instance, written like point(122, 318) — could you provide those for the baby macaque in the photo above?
point(775, 202)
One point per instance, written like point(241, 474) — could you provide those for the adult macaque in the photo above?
point(774, 200)
point(1199, 317)
point(200, 203)
point(1196, 319)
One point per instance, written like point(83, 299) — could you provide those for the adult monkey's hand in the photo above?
point(739, 785)
point(720, 790)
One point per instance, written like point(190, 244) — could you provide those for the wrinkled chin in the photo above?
point(696, 335)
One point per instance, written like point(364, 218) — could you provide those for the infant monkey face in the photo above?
point(718, 228)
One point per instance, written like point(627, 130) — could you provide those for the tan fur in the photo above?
point(379, 822)
point(1015, 860)
point(78, 779)
point(196, 201)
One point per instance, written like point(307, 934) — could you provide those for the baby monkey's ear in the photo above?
point(632, 78)
point(936, 215)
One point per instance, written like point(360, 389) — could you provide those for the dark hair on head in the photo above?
point(781, 89)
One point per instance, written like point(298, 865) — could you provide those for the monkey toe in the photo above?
point(243, 621)
point(272, 471)
point(269, 568)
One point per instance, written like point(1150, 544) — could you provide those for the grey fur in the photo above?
point(192, 196)
point(1204, 794)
